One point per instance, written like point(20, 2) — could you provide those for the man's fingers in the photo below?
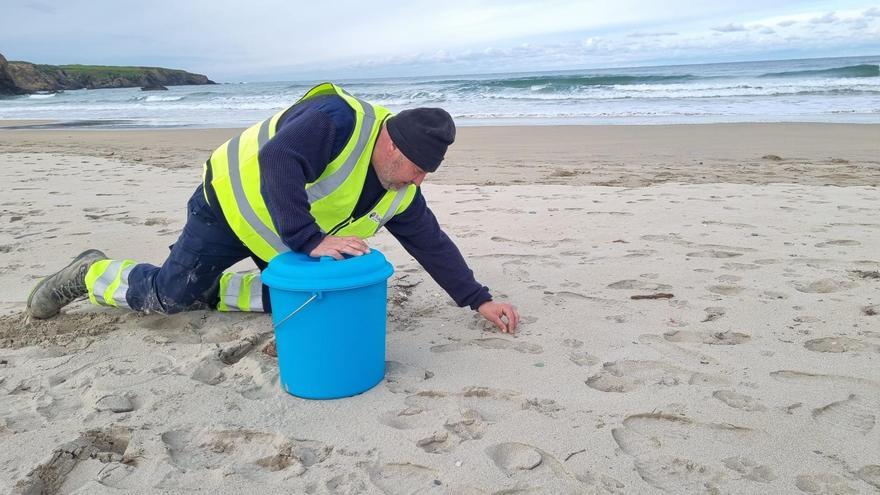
point(499, 323)
point(357, 243)
point(512, 318)
point(352, 251)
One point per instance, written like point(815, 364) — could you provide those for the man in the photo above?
point(317, 178)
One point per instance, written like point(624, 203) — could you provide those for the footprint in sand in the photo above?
point(713, 253)
point(406, 478)
point(749, 469)
point(408, 418)
point(440, 442)
point(254, 455)
point(824, 484)
point(580, 358)
point(725, 290)
point(659, 443)
point(156, 221)
point(639, 253)
point(96, 457)
point(870, 474)
point(534, 470)
point(738, 401)
point(460, 417)
point(253, 375)
point(490, 343)
point(839, 242)
point(839, 344)
point(824, 286)
point(740, 266)
point(865, 274)
point(676, 352)
point(714, 313)
point(768, 261)
point(517, 269)
point(404, 378)
point(346, 484)
point(713, 338)
point(660, 425)
point(511, 458)
point(827, 382)
point(855, 413)
point(639, 284)
point(626, 376)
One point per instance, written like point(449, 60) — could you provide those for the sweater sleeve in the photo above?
point(420, 234)
point(296, 155)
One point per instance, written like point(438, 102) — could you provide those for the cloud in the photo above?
point(856, 22)
point(429, 37)
point(730, 28)
point(828, 18)
point(650, 35)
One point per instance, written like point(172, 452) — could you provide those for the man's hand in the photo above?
point(494, 311)
point(337, 246)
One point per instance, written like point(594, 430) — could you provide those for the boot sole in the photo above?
point(47, 277)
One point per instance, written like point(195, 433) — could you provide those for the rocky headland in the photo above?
point(25, 77)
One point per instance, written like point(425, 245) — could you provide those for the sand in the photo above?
point(700, 315)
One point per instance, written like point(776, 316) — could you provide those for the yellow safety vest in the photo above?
point(235, 176)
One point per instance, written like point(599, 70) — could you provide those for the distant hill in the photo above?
point(24, 77)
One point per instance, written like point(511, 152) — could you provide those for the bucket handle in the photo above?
point(297, 310)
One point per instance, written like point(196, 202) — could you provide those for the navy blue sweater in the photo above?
point(309, 136)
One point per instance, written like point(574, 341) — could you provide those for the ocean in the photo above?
point(808, 90)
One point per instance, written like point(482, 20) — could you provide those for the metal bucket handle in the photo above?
point(316, 295)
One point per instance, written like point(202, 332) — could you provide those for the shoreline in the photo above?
point(461, 123)
point(630, 155)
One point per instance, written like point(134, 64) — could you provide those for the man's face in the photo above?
point(400, 172)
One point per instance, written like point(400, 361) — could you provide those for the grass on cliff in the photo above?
point(103, 71)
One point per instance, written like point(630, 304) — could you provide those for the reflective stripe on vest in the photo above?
point(370, 223)
point(107, 282)
point(236, 181)
point(326, 185)
point(241, 292)
point(266, 232)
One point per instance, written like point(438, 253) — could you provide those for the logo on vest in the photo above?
point(375, 217)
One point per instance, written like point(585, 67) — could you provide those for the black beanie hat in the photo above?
point(422, 134)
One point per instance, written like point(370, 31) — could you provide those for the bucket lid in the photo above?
point(297, 271)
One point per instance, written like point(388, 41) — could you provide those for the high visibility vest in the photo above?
point(235, 176)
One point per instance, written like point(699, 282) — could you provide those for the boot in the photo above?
point(63, 287)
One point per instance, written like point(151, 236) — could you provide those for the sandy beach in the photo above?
point(701, 314)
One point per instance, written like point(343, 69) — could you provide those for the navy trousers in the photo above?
point(189, 278)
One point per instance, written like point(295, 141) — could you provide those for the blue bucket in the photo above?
point(329, 319)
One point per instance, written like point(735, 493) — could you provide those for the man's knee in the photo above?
point(177, 297)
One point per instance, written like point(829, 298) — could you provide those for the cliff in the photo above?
point(7, 85)
point(25, 77)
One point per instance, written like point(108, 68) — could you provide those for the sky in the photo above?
point(295, 40)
